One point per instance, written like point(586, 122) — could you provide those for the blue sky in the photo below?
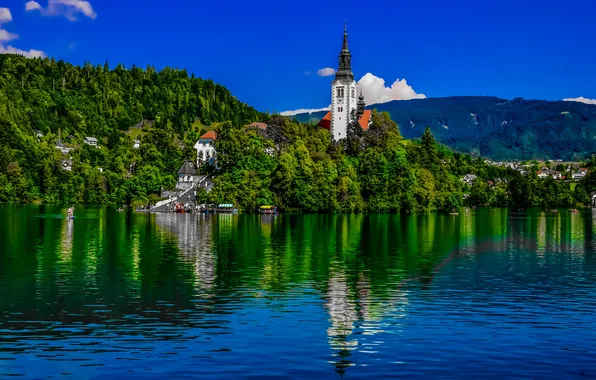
point(263, 50)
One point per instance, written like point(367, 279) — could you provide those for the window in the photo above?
point(340, 92)
point(353, 93)
point(340, 109)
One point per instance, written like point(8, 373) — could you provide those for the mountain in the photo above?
point(46, 94)
point(42, 100)
point(497, 128)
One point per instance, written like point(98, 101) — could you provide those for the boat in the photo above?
point(573, 210)
point(226, 208)
point(179, 208)
point(268, 210)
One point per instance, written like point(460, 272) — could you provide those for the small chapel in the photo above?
point(344, 102)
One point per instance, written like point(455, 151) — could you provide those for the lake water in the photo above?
point(484, 294)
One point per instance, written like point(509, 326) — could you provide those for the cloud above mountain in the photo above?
point(31, 53)
point(375, 92)
point(66, 8)
point(5, 36)
point(581, 99)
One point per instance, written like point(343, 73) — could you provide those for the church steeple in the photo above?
point(360, 105)
point(344, 71)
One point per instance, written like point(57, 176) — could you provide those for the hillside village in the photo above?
point(563, 171)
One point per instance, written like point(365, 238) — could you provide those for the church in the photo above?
point(344, 101)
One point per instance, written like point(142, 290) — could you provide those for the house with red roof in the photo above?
point(205, 148)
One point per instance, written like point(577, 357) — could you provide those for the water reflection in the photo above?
point(215, 287)
point(193, 234)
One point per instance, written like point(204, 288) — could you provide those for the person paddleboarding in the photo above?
point(71, 213)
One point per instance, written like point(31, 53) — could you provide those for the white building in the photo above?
point(578, 175)
point(91, 141)
point(136, 144)
point(469, 179)
point(205, 148)
point(67, 165)
point(345, 102)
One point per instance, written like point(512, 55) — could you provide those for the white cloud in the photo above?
point(304, 110)
point(7, 36)
point(326, 72)
point(375, 92)
point(32, 5)
point(581, 99)
point(5, 15)
point(66, 8)
point(32, 53)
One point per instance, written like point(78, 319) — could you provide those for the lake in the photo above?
point(483, 294)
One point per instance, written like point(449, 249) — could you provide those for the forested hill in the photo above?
point(497, 128)
point(45, 94)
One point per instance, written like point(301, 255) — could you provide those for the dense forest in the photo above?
point(297, 167)
point(293, 165)
point(497, 128)
point(56, 97)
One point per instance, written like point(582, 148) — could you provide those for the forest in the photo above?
point(297, 167)
point(500, 129)
point(293, 165)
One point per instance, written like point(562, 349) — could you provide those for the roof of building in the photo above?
point(187, 169)
point(137, 141)
point(258, 124)
point(364, 120)
point(209, 135)
point(91, 139)
point(326, 121)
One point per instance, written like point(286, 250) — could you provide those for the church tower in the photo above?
point(343, 93)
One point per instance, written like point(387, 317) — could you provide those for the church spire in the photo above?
point(345, 60)
point(360, 105)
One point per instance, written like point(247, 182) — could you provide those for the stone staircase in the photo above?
point(169, 205)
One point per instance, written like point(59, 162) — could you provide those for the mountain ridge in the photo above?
point(495, 127)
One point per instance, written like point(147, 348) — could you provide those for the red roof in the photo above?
point(326, 121)
point(363, 121)
point(257, 124)
point(209, 135)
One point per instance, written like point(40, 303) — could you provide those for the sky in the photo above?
point(281, 55)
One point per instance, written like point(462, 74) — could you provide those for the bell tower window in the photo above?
point(340, 92)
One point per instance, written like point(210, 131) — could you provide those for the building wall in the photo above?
point(341, 108)
point(204, 152)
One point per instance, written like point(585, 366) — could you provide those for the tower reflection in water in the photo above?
point(194, 240)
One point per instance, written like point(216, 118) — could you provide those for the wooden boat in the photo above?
point(226, 208)
point(268, 210)
point(179, 208)
point(573, 210)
